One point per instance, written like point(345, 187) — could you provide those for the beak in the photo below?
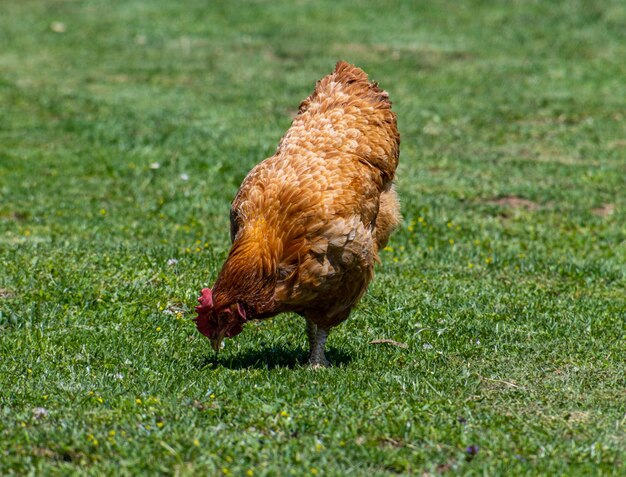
point(216, 343)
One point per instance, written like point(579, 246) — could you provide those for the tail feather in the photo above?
point(347, 73)
point(355, 81)
point(360, 110)
point(350, 74)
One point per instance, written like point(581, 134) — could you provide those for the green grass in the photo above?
point(514, 313)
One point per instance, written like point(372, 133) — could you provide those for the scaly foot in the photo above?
point(316, 357)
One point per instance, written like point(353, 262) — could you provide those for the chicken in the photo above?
point(307, 223)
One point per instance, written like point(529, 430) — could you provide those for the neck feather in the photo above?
point(249, 275)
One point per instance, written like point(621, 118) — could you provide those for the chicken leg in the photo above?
point(317, 342)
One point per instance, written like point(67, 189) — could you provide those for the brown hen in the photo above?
point(307, 223)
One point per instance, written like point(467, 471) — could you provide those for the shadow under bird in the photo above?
point(307, 223)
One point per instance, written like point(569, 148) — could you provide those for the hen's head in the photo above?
point(215, 323)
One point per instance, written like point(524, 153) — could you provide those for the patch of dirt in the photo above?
point(513, 202)
point(578, 416)
point(443, 468)
point(45, 452)
point(15, 216)
point(603, 210)
point(66, 456)
point(5, 294)
point(203, 406)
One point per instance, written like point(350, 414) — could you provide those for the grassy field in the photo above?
point(125, 130)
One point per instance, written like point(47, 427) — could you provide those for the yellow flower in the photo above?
point(284, 413)
point(313, 470)
point(470, 265)
point(196, 442)
point(451, 241)
point(103, 212)
point(388, 248)
point(137, 401)
point(160, 424)
point(158, 328)
point(112, 433)
point(249, 472)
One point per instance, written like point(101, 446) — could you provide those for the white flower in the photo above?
point(172, 261)
point(40, 413)
point(57, 27)
point(155, 165)
point(184, 177)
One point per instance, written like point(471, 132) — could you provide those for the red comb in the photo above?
point(203, 310)
point(206, 299)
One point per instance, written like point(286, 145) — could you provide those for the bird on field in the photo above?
point(307, 224)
